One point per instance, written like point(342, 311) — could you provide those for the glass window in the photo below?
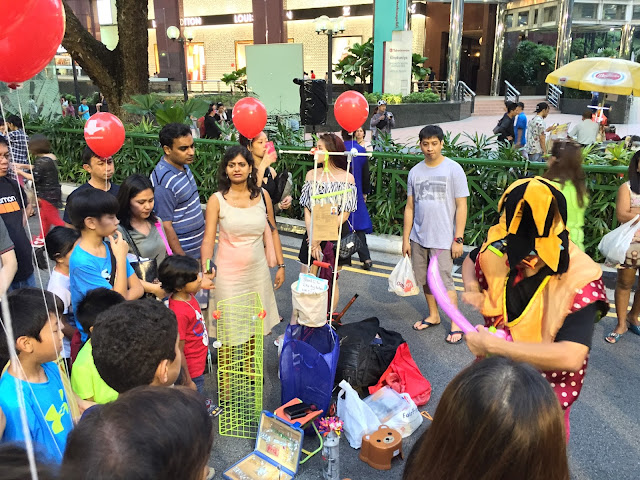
point(105, 16)
point(614, 12)
point(550, 14)
point(523, 19)
point(508, 23)
point(585, 10)
point(636, 12)
point(535, 16)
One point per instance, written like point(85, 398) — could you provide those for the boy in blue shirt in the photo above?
point(38, 342)
point(95, 263)
point(520, 126)
point(83, 110)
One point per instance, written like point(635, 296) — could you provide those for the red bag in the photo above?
point(403, 375)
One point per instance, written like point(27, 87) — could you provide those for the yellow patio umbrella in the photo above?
point(607, 75)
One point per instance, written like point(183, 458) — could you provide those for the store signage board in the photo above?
point(397, 63)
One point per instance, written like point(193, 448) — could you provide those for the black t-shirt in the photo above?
point(211, 128)
point(11, 212)
point(113, 190)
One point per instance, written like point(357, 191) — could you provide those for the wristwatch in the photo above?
point(282, 265)
point(459, 240)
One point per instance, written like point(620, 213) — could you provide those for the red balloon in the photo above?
point(249, 116)
point(104, 134)
point(12, 14)
point(351, 110)
point(37, 32)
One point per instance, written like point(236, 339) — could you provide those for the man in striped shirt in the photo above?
point(176, 195)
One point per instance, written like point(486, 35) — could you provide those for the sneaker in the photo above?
point(37, 241)
point(367, 264)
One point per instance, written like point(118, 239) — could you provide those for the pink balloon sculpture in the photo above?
point(440, 293)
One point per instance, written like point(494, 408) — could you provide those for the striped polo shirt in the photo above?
point(177, 200)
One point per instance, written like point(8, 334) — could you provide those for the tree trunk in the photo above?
point(119, 73)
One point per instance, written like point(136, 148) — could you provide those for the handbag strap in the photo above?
point(264, 200)
point(132, 243)
point(112, 277)
point(164, 237)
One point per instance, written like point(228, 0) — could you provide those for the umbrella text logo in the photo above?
point(608, 76)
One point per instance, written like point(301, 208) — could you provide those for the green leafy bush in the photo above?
point(530, 64)
point(358, 64)
point(421, 97)
point(490, 167)
point(237, 78)
point(393, 99)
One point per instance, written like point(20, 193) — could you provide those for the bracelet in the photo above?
point(281, 265)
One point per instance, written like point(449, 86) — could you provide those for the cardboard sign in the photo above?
point(326, 222)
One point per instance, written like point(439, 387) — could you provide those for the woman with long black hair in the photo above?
point(140, 227)
point(241, 209)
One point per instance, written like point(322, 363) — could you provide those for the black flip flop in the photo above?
point(428, 325)
point(454, 332)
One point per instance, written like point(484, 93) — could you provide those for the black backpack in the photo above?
point(366, 350)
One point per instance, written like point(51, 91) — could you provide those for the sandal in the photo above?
point(634, 328)
point(425, 325)
point(454, 332)
point(615, 337)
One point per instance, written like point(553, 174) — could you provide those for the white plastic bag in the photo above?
point(408, 420)
point(402, 280)
point(396, 410)
point(614, 245)
point(358, 418)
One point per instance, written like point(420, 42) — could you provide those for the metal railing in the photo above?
point(511, 93)
point(553, 95)
point(464, 94)
point(487, 178)
point(208, 86)
point(436, 87)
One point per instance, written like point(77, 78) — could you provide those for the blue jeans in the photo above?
point(28, 282)
point(199, 381)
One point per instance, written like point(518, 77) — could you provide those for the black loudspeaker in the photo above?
point(313, 101)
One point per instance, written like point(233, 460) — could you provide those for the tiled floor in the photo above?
point(484, 125)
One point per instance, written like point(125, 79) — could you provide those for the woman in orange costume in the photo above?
point(530, 280)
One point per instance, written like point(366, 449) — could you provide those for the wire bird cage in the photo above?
point(240, 367)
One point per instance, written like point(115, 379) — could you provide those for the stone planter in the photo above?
point(410, 115)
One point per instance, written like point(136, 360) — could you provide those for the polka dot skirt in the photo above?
point(567, 385)
point(592, 292)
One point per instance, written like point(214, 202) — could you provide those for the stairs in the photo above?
point(494, 106)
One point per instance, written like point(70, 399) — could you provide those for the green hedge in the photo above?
point(489, 168)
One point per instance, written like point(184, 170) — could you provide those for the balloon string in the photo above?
point(10, 338)
point(337, 259)
point(46, 251)
point(30, 233)
point(7, 326)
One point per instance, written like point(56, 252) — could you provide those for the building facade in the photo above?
point(222, 30)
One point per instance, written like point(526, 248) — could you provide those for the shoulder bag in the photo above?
point(349, 244)
point(146, 270)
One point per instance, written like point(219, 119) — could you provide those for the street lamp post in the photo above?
point(329, 27)
point(173, 33)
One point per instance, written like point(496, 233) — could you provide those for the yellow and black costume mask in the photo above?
point(533, 219)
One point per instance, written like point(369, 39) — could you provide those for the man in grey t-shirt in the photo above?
point(434, 220)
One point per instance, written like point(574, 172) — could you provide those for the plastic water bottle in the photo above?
point(331, 457)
